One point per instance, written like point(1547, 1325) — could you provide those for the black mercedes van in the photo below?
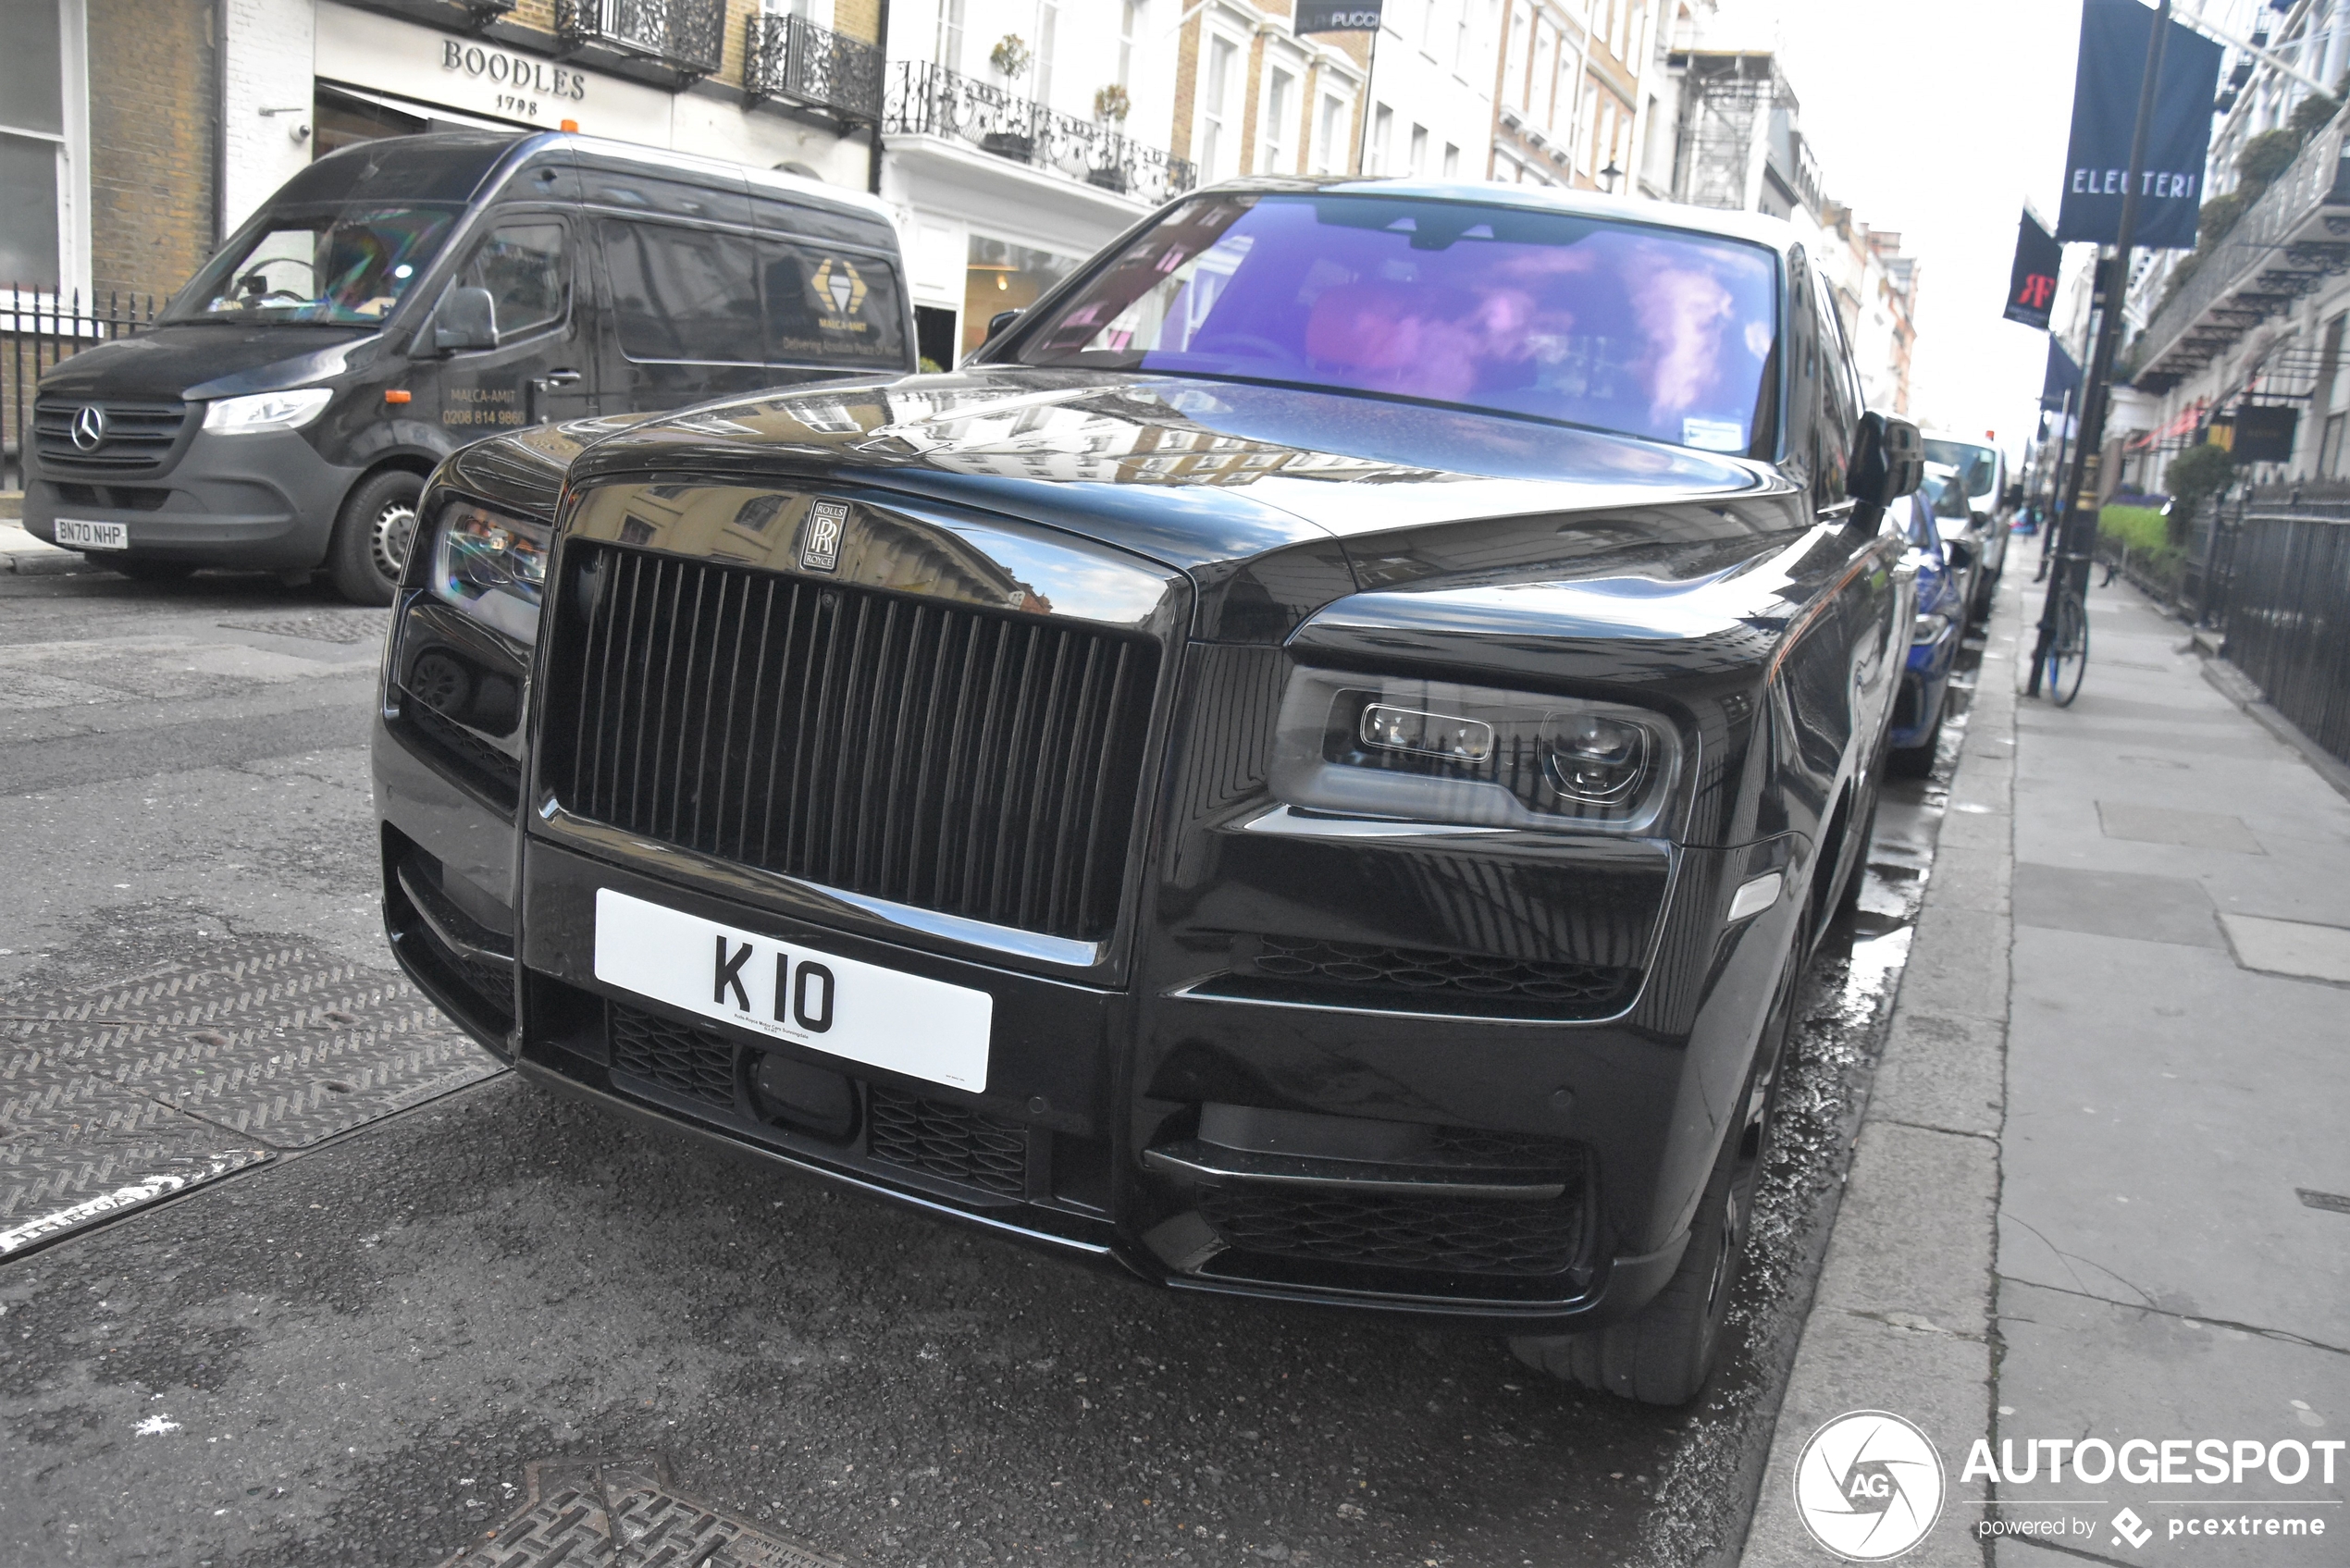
point(402, 298)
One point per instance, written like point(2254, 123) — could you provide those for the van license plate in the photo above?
point(905, 1024)
point(75, 533)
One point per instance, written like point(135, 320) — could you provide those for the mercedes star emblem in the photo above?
point(90, 427)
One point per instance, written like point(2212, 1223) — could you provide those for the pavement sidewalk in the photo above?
point(2099, 1192)
point(19, 552)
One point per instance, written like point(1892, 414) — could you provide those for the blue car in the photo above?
point(1934, 640)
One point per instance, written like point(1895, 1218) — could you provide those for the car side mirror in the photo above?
point(1888, 459)
point(467, 319)
point(1000, 320)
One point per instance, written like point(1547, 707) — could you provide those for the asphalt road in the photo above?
point(353, 1352)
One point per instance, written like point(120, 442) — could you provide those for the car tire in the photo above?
point(1916, 761)
point(372, 537)
point(146, 568)
point(1663, 1353)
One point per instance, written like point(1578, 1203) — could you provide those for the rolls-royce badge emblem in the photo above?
point(90, 427)
point(819, 538)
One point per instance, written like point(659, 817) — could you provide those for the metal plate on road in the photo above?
point(116, 1096)
point(626, 1511)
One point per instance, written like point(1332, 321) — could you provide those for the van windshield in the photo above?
point(1978, 465)
point(333, 267)
point(1638, 328)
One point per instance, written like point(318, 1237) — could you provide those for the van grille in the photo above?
point(139, 434)
point(977, 764)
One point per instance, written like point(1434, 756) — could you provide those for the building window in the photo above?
point(1048, 17)
point(1382, 134)
point(1329, 156)
point(950, 35)
point(1129, 14)
point(1215, 107)
point(1001, 277)
point(1419, 151)
point(1277, 87)
point(42, 131)
point(1451, 162)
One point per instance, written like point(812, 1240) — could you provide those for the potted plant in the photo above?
point(1111, 106)
point(1011, 59)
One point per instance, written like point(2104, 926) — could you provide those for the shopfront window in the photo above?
point(1003, 277)
point(35, 159)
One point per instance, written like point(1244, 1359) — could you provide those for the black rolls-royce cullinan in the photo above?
point(1308, 769)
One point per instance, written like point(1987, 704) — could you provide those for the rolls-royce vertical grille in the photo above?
point(974, 763)
point(127, 436)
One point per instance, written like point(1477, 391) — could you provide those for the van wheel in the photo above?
point(1663, 1353)
point(372, 537)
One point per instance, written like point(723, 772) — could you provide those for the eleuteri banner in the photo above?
point(2105, 112)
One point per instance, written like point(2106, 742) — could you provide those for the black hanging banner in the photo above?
point(2264, 432)
point(2032, 281)
point(2060, 386)
point(2105, 111)
point(1336, 16)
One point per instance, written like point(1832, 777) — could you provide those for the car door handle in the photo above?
point(559, 377)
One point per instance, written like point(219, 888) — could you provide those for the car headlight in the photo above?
point(1438, 751)
point(266, 410)
point(491, 567)
point(1929, 627)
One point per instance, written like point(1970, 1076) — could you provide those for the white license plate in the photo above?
point(76, 534)
point(924, 1029)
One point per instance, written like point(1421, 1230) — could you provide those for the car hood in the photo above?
point(206, 360)
point(1290, 488)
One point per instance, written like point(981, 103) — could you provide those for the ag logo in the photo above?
point(819, 538)
point(1868, 1485)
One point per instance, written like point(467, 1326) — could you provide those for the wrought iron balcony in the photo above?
point(2291, 240)
point(791, 58)
point(686, 36)
point(929, 99)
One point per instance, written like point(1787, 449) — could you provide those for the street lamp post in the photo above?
point(2079, 513)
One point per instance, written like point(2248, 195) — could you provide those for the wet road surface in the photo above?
point(350, 1352)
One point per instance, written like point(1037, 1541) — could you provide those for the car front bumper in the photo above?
point(266, 501)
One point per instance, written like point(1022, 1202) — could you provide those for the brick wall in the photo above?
point(152, 135)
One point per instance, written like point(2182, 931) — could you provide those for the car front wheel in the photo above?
point(372, 537)
point(1663, 1353)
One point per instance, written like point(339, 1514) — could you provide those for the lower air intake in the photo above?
point(948, 1141)
point(673, 1056)
point(1430, 1234)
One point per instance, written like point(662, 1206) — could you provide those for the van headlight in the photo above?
point(492, 568)
point(1439, 751)
point(266, 410)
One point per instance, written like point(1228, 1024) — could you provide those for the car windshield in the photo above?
point(335, 267)
point(1978, 465)
point(1653, 331)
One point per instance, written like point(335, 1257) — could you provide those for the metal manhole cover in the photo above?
point(342, 626)
point(627, 1512)
point(118, 1095)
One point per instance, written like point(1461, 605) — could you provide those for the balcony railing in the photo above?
point(791, 58)
point(929, 99)
point(2294, 237)
point(686, 36)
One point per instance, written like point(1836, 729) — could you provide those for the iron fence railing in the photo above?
point(38, 331)
point(689, 36)
point(930, 99)
point(2289, 619)
point(792, 58)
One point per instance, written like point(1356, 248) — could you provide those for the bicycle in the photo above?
point(2065, 655)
